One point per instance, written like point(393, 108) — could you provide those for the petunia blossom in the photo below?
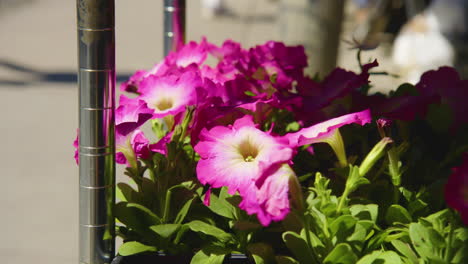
point(130, 147)
point(270, 201)
point(191, 53)
point(456, 189)
point(237, 155)
point(320, 131)
point(133, 83)
point(169, 95)
point(131, 114)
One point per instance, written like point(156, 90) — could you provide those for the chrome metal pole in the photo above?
point(174, 25)
point(96, 78)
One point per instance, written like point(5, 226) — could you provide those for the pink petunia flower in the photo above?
point(133, 83)
point(130, 147)
point(320, 131)
point(161, 145)
point(131, 114)
point(191, 53)
point(169, 95)
point(237, 155)
point(270, 200)
point(456, 189)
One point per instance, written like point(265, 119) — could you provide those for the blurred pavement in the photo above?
point(39, 107)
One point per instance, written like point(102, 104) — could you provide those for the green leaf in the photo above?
point(405, 250)
point(342, 227)
point(165, 230)
point(285, 260)
point(298, 247)
point(220, 206)
point(316, 242)
point(397, 214)
point(134, 247)
point(207, 256)
point(136, 217)
point(320, 220)
point(461, 254)
point(361, 230)
point(341, 254)
point(183, 212)
point(380, 257)
point(126, 193)
point(365, 212)
point(146, 213)
point(210, 230)
point(262, 253)
point(462, 233)
point(419, 236)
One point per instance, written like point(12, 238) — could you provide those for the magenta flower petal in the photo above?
point(271, 200)
point(456, 189)
point(140, 145)
point(120, 158)
point(76, 144)
point(131, 114)
point(319, 131)
point(231, 156)
point(445, 83)
point(191, 53)
point(134, 81)
point(131, 146)
point(161, 145)
point(169, 95)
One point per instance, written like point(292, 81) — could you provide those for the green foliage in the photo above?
point(380, 204)
point(133, 247)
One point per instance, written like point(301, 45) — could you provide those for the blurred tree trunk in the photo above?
point(316, 24)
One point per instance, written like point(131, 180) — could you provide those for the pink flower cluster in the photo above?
point(233, 100)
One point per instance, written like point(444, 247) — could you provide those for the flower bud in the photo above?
point(374, 155)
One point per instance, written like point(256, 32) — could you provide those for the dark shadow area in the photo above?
point(32, 75)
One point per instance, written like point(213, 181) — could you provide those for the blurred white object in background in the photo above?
point(212, 8)
point(431, 39)
point(421, 46)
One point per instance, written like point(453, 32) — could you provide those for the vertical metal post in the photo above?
point(174, 25)
point(96, 75)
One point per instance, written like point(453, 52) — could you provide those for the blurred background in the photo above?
point(39, 94)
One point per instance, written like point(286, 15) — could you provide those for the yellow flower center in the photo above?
point(164, 104)
point(248, 150)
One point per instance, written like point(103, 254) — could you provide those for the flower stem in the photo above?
point(343, 197)
point(167, 204)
